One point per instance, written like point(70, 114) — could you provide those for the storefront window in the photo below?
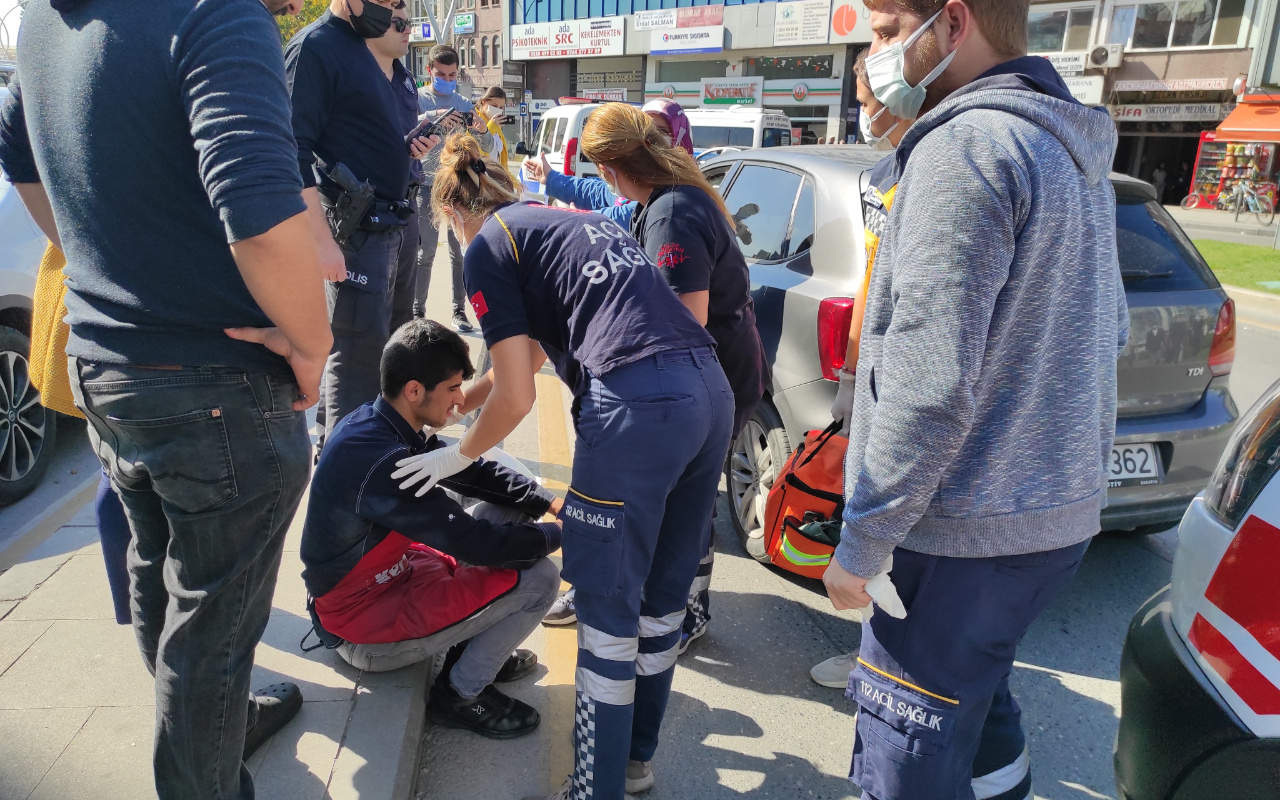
point(788, 68)
point(1184, 23)
point(690, 71)
point(1056, 31)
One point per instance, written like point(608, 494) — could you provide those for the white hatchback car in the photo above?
point(26, 427)
point(1200, 671)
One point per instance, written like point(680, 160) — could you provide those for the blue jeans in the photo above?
point(936, 717)
point(210, 463)
point(652, 438)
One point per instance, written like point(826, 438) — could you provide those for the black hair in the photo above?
point(443, 54)
point(424, 351)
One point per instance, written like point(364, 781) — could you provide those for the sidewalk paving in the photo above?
point(77, 706)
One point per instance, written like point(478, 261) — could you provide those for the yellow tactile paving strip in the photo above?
point(561, 655)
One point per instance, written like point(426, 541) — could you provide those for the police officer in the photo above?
point(346, 112)
point(653, 413)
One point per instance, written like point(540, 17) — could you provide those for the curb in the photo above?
point(1254, 297)
point(35, 532)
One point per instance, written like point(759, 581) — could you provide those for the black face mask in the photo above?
point(373, 22)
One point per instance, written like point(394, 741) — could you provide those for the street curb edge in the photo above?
point(35, 532)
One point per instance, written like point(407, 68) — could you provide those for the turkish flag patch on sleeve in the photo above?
point(479, 305)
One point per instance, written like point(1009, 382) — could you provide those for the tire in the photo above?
point(1191, 201)
point(755, 458)
point(27, 429)
point(1237, 207)
point(1266, 211)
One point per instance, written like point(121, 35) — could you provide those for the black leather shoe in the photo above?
point(517, 665)
point(493, 714)
point(270, 709)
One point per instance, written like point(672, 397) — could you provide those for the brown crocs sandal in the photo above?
point(270, 709)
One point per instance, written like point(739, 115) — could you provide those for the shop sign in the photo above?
point(1067, 63)
point(607, 78)
point(801, 22)
point(464, 23)
point(1187, 85)
point(541, 106)
point(1086, 90)
point(669, 92)
point(850, 22)
point(707, 39)
point(577, 38)
point(1172, 112)
point(799, 92)
point(672, 18)
point(421, 32)
point(606, 95)
point(732, 91)
point(655, 20)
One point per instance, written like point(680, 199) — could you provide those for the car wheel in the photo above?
point(26, 427)
point(755, 459)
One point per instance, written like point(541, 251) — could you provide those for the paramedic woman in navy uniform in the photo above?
point(653, 412)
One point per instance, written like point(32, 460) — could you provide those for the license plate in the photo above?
point(1134, 465)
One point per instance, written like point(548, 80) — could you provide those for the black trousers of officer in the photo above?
point(374, 300)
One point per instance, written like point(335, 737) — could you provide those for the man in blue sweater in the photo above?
point(198, 330)
point(985, 395)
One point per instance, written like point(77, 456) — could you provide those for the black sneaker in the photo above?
point(461, 323)
point(517, 665)
point(493, 714)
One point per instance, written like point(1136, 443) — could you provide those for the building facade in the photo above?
point(635, 50)
point(1169, 71)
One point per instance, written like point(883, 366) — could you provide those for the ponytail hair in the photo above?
point(468, 181)
point(623, 138)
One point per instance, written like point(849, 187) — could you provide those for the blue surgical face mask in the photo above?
point(441, 86)
point(865, 121)
point(889, 84)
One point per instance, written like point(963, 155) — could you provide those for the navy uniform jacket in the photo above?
point(354, 503)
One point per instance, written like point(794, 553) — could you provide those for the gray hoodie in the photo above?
point(986, 379)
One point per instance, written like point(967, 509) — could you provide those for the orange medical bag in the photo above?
point(804, 508)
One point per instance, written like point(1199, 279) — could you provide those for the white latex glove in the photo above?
point(431, 468)
point(842, 407)
point(454, 419)
point(885, 594)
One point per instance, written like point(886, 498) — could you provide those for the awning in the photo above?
point(1252, 122)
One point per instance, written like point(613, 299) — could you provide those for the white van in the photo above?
point(739, 128)
point(557, 138)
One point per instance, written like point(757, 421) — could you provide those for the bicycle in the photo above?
point(1245, 198)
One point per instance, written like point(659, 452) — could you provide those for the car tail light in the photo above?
point(835, 315)
point(1251, 459)
point(571, 154)
point(1222, 353)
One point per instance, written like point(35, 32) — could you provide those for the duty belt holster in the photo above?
point(347, 207)
point(384, 216)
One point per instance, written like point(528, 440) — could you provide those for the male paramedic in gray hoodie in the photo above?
point(985, 392)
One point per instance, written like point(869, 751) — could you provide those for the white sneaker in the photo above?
point(562, 611)
point(639, 776)
point(834, 672)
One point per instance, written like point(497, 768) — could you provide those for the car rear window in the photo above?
point(1155, 254)
point(721, 136)
point(761, 200)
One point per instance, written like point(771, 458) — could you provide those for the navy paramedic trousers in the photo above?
point(936, 719)
point(651, 441)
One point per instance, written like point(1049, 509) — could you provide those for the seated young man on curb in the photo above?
point(402, 577)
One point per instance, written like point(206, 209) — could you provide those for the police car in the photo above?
point(1200, 672)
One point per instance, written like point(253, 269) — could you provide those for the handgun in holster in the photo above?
point(347, 208)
